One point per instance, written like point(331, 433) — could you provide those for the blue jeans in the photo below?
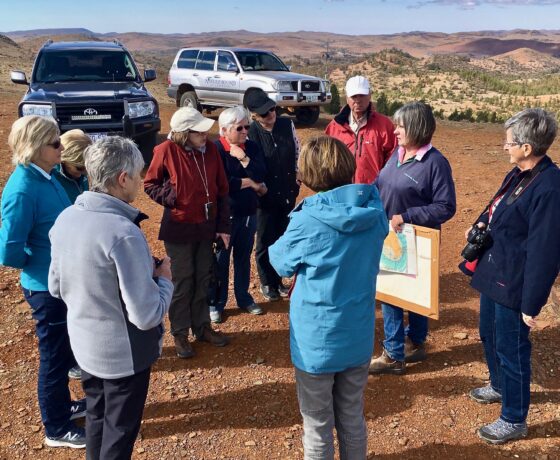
point(507, 349)
point(395, 332)
point(242, 239)
point(334, 400)
point(55, 359)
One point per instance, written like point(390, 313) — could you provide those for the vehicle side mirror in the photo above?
point(18, 77)
point(231, 67)
point(149, 75)
point(290, 68)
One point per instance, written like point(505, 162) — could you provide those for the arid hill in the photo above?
point(313, 44)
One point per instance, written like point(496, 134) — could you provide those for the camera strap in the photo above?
point(520, 188)
point(525, 182)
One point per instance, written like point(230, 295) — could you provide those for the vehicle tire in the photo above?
point(190, 98)
point(146, 146)
point(307, 115)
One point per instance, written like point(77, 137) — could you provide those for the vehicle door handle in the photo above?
point(195, 75)
point(216, 76)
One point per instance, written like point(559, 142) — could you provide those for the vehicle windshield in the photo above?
point(84, 65)
point(258, 60)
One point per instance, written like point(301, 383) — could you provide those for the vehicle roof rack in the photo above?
point(116, 42)
point(47, 43)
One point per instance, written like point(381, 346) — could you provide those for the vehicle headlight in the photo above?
point(140, 109)
point(284, 86)
point(42, 110)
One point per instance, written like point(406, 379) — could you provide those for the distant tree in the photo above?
point(393, 107)
point(482, 116)
point(334, 106)
point(382, 104)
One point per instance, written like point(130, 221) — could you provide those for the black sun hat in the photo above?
point(257, 101)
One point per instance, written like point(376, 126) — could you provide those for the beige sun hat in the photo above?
point(190, 119)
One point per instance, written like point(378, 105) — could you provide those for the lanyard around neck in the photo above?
point(204, 178)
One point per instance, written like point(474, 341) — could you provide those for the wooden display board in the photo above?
point(418, 293)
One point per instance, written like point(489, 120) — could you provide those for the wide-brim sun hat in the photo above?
point(190, 119)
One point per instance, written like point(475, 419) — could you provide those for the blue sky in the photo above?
point(340, 16)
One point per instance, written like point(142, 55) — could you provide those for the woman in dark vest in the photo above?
point(277, 140)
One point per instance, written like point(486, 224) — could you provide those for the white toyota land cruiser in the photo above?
point(209, 78)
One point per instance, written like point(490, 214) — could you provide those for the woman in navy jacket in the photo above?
point(245, 170)
point(515, 275)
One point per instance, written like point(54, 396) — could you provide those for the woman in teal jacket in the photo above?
point(31, 201)
point(333, 244)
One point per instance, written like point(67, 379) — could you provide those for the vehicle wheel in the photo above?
point(307, 115)
point(146, 145)
point(189, 98)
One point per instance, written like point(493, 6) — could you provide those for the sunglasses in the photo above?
point(80, 169)
point(56, 144)
point(273, 109)
point(241, 128)
point(198, 132)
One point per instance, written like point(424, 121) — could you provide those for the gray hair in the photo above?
point(418, 121)
point(535, 127)
point(233, 116)
point(106, 158)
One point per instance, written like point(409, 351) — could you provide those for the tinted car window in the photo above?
point(187, 59)
point(256, 60)
point(225, 59)
point(85, 65)
point(206, 60)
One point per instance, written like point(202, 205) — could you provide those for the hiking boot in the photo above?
point(501, 431)
point(414, 352)
point(215, 315)
point(269, 293)
point(485, 395)
point(284, 291)
point(75, 373)
point(183, 347)
point(78, 409)
point(214, 337)
point(384, 364)
point(254, 309)
point(75, 438)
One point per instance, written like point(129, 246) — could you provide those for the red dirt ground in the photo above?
point(239, 402)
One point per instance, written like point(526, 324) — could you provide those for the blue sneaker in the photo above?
point(485, 395)
point(74, 438)
point(500, 431)
point(78, 409)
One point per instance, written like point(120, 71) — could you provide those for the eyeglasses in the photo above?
point(204, 133)
point(80, 169)
point(56, 144)
point(512, 144)
point(268, 112)
point(241, 128)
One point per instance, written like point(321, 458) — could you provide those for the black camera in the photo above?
point(479, 240)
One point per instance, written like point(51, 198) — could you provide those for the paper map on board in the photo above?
point(399, 251)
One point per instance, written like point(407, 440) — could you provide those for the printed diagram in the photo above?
point(399, 252)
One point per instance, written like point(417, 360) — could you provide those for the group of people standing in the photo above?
point(371, 174)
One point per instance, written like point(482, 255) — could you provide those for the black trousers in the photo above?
point(271, 225)
point(114, 413)
point(191, 265)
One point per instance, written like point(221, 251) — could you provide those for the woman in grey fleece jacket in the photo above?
point(103, 270)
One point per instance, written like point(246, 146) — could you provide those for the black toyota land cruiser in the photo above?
point(93, 86)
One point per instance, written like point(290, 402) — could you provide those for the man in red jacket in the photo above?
point(368, 134)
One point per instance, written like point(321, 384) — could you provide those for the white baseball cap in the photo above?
point(357, 85)
point(188, 118)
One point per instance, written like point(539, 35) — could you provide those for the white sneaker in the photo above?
point(215, 315)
